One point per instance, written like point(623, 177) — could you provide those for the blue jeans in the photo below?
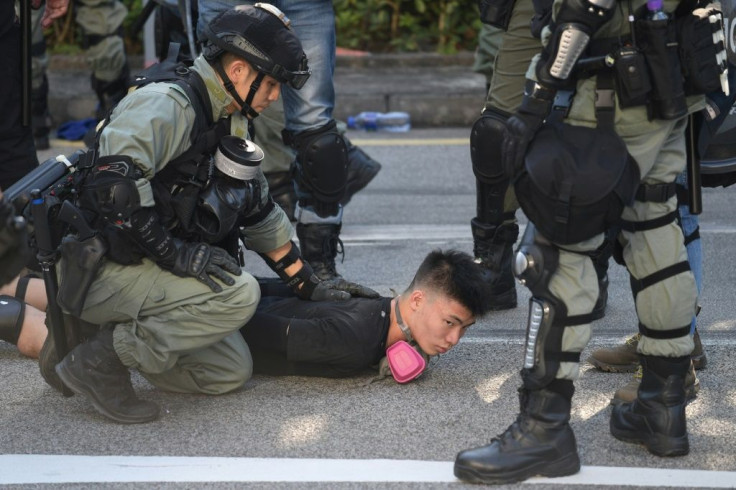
point(313, 22)
point(689, 223)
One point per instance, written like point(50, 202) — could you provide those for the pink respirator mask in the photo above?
point(405, 361)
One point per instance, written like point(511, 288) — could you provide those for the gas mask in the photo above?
point(405, 358)
point(234, 190)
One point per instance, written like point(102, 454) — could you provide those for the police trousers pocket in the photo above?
point(82, 261)
point(699, 54)
point(496, 12)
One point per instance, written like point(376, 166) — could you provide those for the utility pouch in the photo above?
point(632, 79)
point(496, 12)
point(657, 39)
point(82, 261)
point(702, 52)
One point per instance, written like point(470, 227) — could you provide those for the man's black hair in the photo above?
point(456, 275)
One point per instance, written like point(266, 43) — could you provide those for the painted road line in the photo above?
point(17, 469)
point(411, 142)
point(377, 233)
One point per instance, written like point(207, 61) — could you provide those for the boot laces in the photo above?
point(634, 339)
point(331, 247)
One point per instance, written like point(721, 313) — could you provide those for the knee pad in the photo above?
point(12, 313)
point(486, 139)
point(322, 162)
point(536, 260)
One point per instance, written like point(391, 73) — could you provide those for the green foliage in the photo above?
point(379, 26)
point(444, 26)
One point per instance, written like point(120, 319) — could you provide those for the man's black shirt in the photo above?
point(290, 336)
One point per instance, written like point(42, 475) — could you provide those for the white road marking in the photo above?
point(17, 469)
point(411, 141)
point(378, 233)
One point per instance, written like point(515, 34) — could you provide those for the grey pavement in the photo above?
point(435, 90)
point(423, 199)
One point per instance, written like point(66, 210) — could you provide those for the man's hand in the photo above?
point(203, 262)
point(54, 10)
point(339, 289)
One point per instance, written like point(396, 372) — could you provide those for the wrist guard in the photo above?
point(147, 231)
point(576, 22)
point(303, 282)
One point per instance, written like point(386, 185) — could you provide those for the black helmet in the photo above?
point(261, 35)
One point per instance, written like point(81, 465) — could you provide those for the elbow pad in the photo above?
point(576, 22)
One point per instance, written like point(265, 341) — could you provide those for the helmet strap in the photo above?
point(251, 95)
point(246, 109)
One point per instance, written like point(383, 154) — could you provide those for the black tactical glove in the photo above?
point(185, 259)
point(337, 289)
point(522, 126)
point(13, 243)
point(201, 261)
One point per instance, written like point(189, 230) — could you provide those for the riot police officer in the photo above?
point(172, 197)
point(642, 128)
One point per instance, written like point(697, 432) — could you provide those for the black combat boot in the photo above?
point(319, 244)
point(361, 170)
point(94, 370)
point(493, 249)
point(540, 442)
point(656, 418)
point(77, 331)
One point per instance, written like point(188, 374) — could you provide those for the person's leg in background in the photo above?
point(17, 151)
point(101, 22)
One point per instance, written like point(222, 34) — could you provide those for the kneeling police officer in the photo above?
point(172, 197)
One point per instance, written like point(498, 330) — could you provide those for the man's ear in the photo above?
point(416, 298)
point(237, 70)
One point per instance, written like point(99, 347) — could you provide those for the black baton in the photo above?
point(47, 255)
point(25, 61)
point(694, 194)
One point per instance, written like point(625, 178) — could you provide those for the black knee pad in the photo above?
point(322, 162)
point(486, 139)
point(12, 313)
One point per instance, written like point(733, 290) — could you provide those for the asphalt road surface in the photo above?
point(324, 433)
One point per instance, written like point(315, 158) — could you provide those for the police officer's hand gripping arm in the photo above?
point(574, 25)
point(298, 274)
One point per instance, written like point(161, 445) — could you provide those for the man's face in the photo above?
point(438, 322)
point(267, 93)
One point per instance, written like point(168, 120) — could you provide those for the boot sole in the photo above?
point(656, 444)
point(80, 388)
point(565, 466)
point(613, 368)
